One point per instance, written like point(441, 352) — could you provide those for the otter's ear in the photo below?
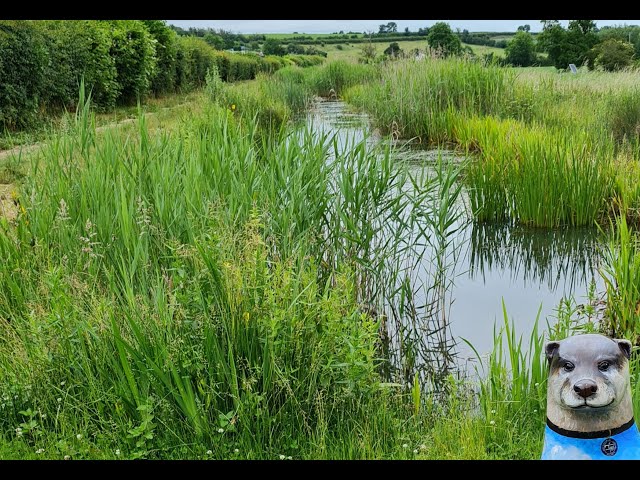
point(625, 346)
point(551, 349)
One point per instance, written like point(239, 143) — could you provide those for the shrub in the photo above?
point(133, 50)
point(613, 54)
point(79, 49)
point(164, 79)
point(23, 58)
point(196, 57)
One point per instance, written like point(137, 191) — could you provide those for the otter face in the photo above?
point(588, 373)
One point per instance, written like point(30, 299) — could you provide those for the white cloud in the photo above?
point(571, 452)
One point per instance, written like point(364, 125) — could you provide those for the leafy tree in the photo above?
point(568, 46)
point(368, 53)
point(392, 27)
point(625, 33)
point(613, 54)
point(216, 41)
point(442, 38)
point(406, 31)
point(520, 50)
point(272, 46)
point(524, 28)
point(393, 50)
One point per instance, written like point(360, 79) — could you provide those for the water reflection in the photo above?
point(562, 259)
point(530, 269)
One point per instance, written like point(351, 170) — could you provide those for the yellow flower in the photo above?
point(233, 106)
point(246, 316)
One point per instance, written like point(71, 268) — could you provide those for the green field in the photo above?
point(352, 51)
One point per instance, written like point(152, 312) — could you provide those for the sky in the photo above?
point(330, 26)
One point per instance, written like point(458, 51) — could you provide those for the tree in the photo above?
point(520, 51)
point(272, 46)
point(392, 27)
point(568, 46)
point(442, 38)
point(524, 28)
point(368, 53)
point(406, 31)
point(613, 54)
point(216, 41)
point(393, 50)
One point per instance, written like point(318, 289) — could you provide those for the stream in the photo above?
point(529, 269)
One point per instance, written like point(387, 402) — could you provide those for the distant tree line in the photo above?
point(582, 43)
point(42, 62)
point(481, 39)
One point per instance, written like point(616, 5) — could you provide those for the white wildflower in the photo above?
point(79, 436)
point(405, 445)
point(282, 457)
point(40, 450)
point(492, 422)
point(221, 430)
point(289, 458)
point(67, 457)
point(117, 451)
point(209, 452)
point(415, 452)
point(423, 447)
point(235, 450)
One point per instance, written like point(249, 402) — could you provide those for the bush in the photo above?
point(164, 79)
point(133, 50)
point(23, 60)
point(79, 49)
point(195, 58)
point(613, 54)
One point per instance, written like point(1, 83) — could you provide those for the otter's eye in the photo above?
point(568, 366)
point(604, 366)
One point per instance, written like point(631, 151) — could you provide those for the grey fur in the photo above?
point(588, 388)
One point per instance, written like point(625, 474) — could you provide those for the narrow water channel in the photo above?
point(529, 269)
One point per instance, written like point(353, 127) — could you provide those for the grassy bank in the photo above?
point(236, 287)
point(549, 149)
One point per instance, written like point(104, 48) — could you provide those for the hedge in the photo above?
point(42, 62)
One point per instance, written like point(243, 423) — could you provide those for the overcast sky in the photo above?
point(329, 26)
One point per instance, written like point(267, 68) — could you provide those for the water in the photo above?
point(528, 269)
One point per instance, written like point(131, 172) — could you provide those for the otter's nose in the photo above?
point(585, 388)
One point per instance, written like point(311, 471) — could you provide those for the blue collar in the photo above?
point(621, 443)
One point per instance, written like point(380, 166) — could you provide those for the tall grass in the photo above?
point(422, 97)
point(178, 292)
point(544, 148)
point(621, 273)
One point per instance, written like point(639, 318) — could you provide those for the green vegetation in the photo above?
point(223, 282)
point(442, 39)
point(121, 62)
point(520, 51)
point(549, 150)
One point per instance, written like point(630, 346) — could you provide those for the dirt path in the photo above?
point(35, 146)
point(8, 208)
